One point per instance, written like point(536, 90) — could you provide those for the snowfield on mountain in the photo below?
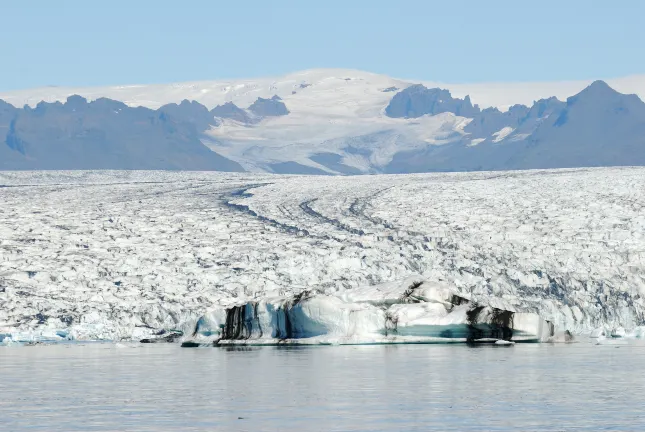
point(326, 121)
point(122, 255)
point(352, 91)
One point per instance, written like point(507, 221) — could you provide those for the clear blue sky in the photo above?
point(100, 42)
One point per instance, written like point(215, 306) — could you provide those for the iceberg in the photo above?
point(421, 312)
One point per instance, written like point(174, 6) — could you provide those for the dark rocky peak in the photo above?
point(6, 107)
point(521, 118)
point(601, 103)
point(107, 134)
point(75, 103)
point(545, 107)
point(193, 108)
point(7, 115)
point(191, 112)
point(467, 102)
point(518, 110)
point(491, 120)
point(525, 120)
point(42, 107)
point(231, 111)
point(417, 100)
point(596, 90)
point(597, 127)
point(272, 107)
point(105, 104)
point(599, 92)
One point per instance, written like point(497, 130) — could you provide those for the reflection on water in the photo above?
point(346, 388)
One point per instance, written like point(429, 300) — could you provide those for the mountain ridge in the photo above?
point(244, 91)
point(337, 125)
point(103, 134)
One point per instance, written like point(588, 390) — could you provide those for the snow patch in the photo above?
point(502, 133)
point(476, 141)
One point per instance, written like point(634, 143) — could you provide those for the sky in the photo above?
point(100, 42)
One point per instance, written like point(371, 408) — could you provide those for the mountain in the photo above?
point(596, 127)
point(231, 111)
point(269, 107)
point(417, 100)
point(326, 122)
point(106, 134)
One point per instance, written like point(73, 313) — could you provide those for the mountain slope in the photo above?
point(104, 134)
point(597, 127)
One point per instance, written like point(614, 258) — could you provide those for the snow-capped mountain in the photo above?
point(331, 121)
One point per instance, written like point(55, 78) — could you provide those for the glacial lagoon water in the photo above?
point(121, 387)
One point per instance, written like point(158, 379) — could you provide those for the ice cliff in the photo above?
point(401, 312)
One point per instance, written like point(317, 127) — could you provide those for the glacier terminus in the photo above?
point(244, 258)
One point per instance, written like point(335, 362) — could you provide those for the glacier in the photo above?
point(238, 258)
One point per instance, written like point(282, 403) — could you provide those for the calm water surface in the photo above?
point(351, 388)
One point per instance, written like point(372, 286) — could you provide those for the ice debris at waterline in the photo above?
point(420, 312)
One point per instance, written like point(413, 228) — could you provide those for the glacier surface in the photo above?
point(125, 255)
